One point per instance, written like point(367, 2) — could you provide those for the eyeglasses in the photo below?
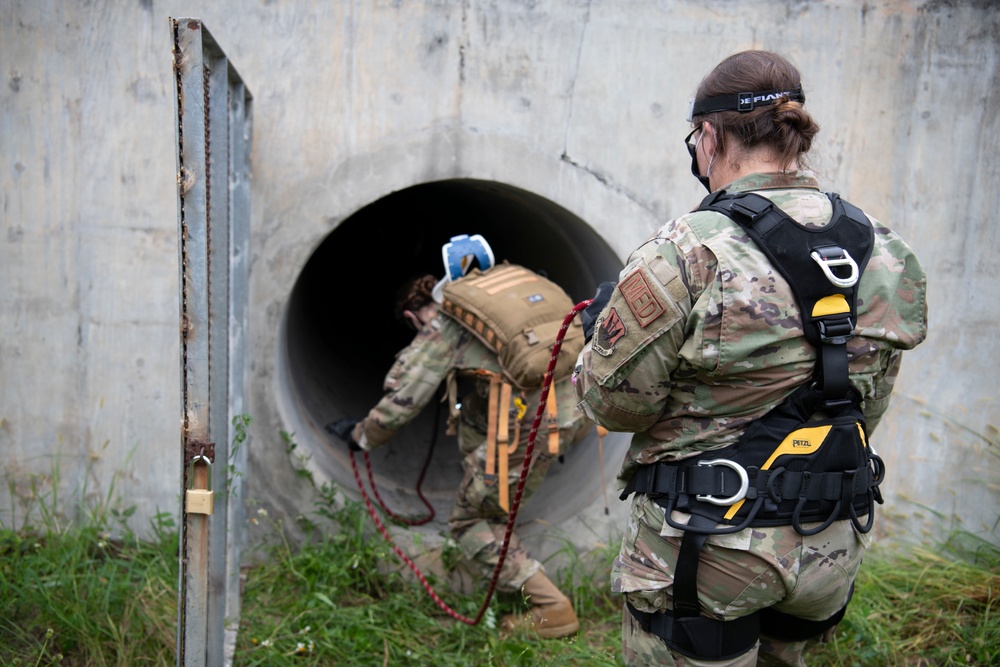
point(692, 146)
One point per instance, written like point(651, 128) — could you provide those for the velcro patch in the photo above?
point(640, 298)
point(607, 332)
point(641, 310)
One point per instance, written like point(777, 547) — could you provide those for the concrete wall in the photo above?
point(581, 103)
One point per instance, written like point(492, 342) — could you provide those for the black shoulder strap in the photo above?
point(822, 265)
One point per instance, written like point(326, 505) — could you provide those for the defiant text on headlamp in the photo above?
point(743, 101)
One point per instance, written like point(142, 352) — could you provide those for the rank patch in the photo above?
point(641, 300)
point(609, 331)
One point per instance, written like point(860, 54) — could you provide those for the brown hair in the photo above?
point(784, 127)
point(414, 294)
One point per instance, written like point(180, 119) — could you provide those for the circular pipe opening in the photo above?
point(340, 338)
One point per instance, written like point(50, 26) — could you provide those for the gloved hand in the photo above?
point(588, 316)
point(343, 428)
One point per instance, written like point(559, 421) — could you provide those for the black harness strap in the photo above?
point(787, 628)
point(700, 636)
point(812, 261)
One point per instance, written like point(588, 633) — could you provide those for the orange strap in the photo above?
point(553, 411)
point(601, 432)
point(491, 432)
point(502, 445)
point(515, 415)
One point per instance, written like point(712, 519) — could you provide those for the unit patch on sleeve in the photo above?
point(640, 298)
point(607, 332)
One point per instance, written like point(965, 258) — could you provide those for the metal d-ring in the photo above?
point(825, 259)
point(736, 497)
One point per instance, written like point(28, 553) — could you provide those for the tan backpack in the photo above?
point(517, 313)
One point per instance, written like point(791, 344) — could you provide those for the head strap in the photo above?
point(743, 102)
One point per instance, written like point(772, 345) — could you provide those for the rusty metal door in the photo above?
point(213, 130)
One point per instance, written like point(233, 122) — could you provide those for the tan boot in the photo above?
point(551, 613)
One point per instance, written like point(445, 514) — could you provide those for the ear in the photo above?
point(412, 319)
point(709, 131)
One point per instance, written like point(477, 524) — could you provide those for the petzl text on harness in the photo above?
point(806, 461)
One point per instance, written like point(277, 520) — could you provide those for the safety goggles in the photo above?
point(692, 145)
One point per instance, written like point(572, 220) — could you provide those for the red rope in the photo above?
point(511, 516)
point(420, 484)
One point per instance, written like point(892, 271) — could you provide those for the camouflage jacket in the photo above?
point(703, 336)
point(441, 347)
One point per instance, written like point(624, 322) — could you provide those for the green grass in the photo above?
point(90, 593)
point(343, 601)
point(84, 598)
point(923, 607)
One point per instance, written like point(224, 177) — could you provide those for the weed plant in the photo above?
point(922, 607)
point(352, 606)
point(85, 592)
point(89, 593)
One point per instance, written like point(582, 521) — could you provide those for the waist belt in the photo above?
point(785, 470)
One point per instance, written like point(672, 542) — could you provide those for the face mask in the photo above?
point(694, 162)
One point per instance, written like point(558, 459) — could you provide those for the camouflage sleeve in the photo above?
point(622, 378)
point(894, 292)
point(409, 386)
point(875, 406)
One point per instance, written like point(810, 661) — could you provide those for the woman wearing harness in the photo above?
point(700, 339)
point(441, 350)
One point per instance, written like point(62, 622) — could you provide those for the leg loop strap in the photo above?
point(787, 628)
point(699, 636)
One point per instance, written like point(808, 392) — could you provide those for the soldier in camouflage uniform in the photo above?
point(442, 350)
point(711, 342)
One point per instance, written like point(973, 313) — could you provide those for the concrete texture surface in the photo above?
point(553, 127)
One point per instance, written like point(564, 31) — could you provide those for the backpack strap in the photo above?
point(502, 446)
point(489, 474)
point(451, 395)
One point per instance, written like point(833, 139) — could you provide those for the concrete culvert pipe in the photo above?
point(339, 338)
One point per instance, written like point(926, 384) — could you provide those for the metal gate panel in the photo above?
point(213, 168)
point(240, 136)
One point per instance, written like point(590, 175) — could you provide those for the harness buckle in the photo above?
point(736, 497)
point(836, 330)
point(836, 256)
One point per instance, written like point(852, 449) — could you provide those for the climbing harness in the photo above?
point(515, 504)
point(807, 460)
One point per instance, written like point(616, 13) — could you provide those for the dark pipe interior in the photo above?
point(341, 336)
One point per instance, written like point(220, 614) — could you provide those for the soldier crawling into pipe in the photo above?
point(492, 454)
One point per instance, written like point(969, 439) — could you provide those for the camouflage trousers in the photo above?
point(477, 521)
point(806, 576)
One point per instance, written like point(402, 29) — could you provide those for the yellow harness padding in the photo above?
point(502, 437)
point(834, 304)
point(800, 441)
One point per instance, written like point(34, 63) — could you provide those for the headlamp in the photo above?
point(742, 102)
